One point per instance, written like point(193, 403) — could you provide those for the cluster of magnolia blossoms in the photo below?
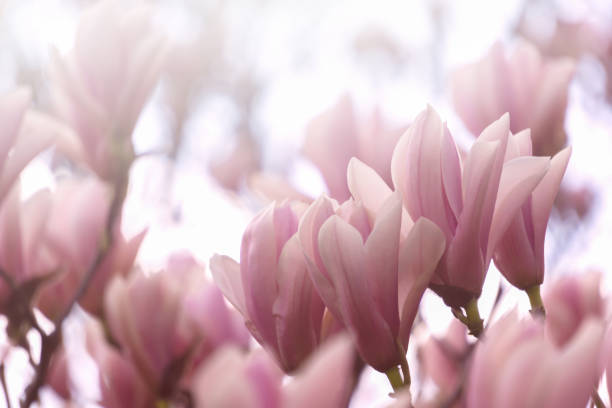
point(363, 265)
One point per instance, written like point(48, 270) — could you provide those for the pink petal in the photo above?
point(520, 176)
point(544, 196)
point(324, 380)
point(298, 311)
point(343, 255)
point(226, 274)
point(419, 256)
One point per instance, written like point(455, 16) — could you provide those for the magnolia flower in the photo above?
point(569, 302)
point(119, 383)
point(232, 379)
point(472, 203)
point(271, 286)
point(74, 226)
point(336, 135)
point(370, 276)
point(534, 92)
point(102, 84)
point(519, 255)
point(443, 358)
point(516, 365)
point(24, 134)
point(152, 317)
point(26, 261)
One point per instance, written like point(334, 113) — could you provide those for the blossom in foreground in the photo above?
point(102, 84)
point(516, 365)
point(271, 286)
point(152, 319)
point(233, 379)
point(519, 255)
point(472, 204)
point(532, 89)
point(370, 275)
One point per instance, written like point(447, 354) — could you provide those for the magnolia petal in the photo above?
point(226, 274)
point(419, 255)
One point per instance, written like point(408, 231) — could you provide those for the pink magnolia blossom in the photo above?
point(337, 135)
point(153, 319)
point(233, 379)
point(119, 383)
point(24, 134)
point(516, 365)
point(271, 286)
point(443, 358)
point(533, 90)
point(369, 274)
point(472, 203)
point(519, 255)
point(569, 302)
point(102, 84)
point(75, 223)
point(24, 256)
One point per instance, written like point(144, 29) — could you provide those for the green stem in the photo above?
point(535, 299)
point(395, 378)
point(404, 364)
point(474, 322)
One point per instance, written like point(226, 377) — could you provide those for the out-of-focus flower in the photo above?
point(569, 302)
point(577, 201)
point(153, 318)
point(443, 359)
point(74, 232)
point(271, 286)
point(119, 383)
point(101, 86)
point(323, 381)
point(24, 134)
point(337, 135)
point(356, 254)
point(519, 254)
point(472, 204)
point(533, 90)
point(241, 162)
point(26, 261)
point(516, 365)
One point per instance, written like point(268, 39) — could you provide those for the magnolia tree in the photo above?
point(325, 286)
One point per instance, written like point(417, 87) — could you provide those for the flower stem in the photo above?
point(395, 378)
point(535, 299)
point(404, 364)
point(474, 322)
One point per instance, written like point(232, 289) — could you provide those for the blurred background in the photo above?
point(248, 86)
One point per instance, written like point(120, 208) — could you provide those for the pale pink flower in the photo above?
point(443, 358)
point(75, 224)
point(472, 203)
point(232, 379)
point(519, 254)
point(569, 302)
point(369, 274)
point(336, 135)
point(271, 286)
point(119, 383)
point(516, 365)
point(102, 84)
point(532, 89)
point(154, 318)
point(24, 134)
